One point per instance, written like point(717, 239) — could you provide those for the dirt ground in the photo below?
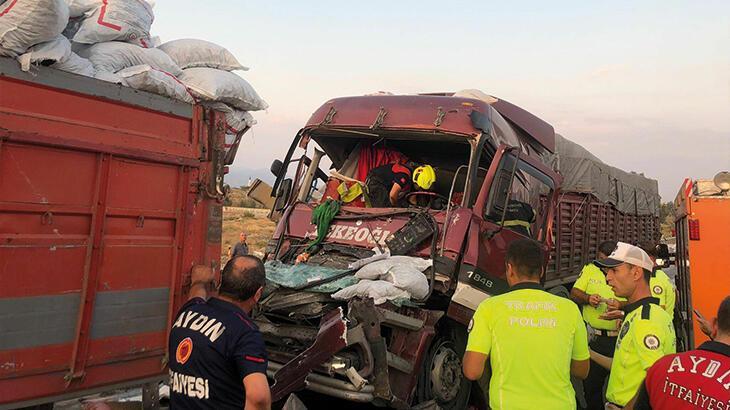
point(249, 220)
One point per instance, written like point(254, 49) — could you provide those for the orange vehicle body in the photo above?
point(703, 245)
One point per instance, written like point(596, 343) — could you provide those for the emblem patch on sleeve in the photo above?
point(658, 290)
point(183, 351)
point(651, 342)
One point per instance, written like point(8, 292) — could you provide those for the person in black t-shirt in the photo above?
point(217, 354)
point(386, 183)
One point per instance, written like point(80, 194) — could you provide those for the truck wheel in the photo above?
point(441, 378)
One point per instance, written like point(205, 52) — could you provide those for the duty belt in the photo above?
point(609, 333)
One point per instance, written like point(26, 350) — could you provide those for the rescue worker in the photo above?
point(660, 285)
point(646, 333)
point(386, 183)
point(534, 340)
point(217, 355)
point(696, 379)
point(591, 291)
point(519, 217)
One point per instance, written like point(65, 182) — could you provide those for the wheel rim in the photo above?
point(446, 374)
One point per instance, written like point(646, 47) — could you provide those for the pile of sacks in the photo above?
point(391, 278)
point(110, 40)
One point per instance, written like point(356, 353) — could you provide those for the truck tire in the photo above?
point(440, 377)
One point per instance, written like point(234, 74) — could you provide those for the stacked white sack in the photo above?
point(25, 23)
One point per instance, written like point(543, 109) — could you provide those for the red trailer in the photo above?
point(108, 196)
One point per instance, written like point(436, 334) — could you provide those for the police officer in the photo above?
point(217, 355)
point(646, 333)
point(593, 293)
point(533, 339)
point(696, 379)
point(660, 285)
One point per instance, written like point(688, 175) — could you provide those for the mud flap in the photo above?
point(331, 338)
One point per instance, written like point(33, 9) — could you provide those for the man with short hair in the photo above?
point(591, 291)
point(660, 285)
point(217, 354)
point(241, 247)
point(646, 333)
point(533, 339)
point(696, 379)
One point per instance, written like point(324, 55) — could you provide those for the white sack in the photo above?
point(24, 23)
point(409, 279)
point(146, 78)
point(77, 8)
point(236, 120)
point(379, 290)
point(116, 55)
point(190, 53)
point(46, 54)
point(218, 85)
point(77, 65)
point(378, 269)
point(109, 77)
point(120, 20)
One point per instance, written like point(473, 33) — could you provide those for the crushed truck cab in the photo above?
point(490, 157)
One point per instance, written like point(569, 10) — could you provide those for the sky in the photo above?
point(644, 85)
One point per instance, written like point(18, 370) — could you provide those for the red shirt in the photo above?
point(698, 379)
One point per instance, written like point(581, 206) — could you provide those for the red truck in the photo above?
point(108, 196)
point(487, 153)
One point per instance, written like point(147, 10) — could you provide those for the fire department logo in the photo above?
point(184, 349)
point(651, 342)
point(658, 290)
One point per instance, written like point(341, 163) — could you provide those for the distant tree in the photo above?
point(667, 213)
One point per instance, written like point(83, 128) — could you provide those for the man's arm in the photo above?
point(258, 396)
point(474, 364)
point(603, 361)
point(394, 192)
point(580, 368)
point(582, 298)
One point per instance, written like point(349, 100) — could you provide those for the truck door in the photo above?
point(517, 200)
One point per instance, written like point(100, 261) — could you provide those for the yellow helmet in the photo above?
point(424, 177)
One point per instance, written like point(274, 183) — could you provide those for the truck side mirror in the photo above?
point(276, 167)
point(282, 195)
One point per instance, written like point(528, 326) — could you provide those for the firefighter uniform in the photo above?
point(698, 379)
point(593, 281)
point(530, 337)
point(646, 335)
point(662, 289)
point(213, 346)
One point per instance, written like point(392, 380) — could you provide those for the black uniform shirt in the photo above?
point(393, 174)
point(213, 346)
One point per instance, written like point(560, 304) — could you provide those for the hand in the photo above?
point(612, 314)
point(613, 304)
point(705, 326)
point(202, 274)
point(594, 300)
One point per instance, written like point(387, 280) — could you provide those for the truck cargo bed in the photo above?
point(105, 205)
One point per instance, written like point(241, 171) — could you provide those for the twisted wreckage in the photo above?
point(488, 155)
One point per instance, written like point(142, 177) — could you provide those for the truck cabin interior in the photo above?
point(353, 156)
